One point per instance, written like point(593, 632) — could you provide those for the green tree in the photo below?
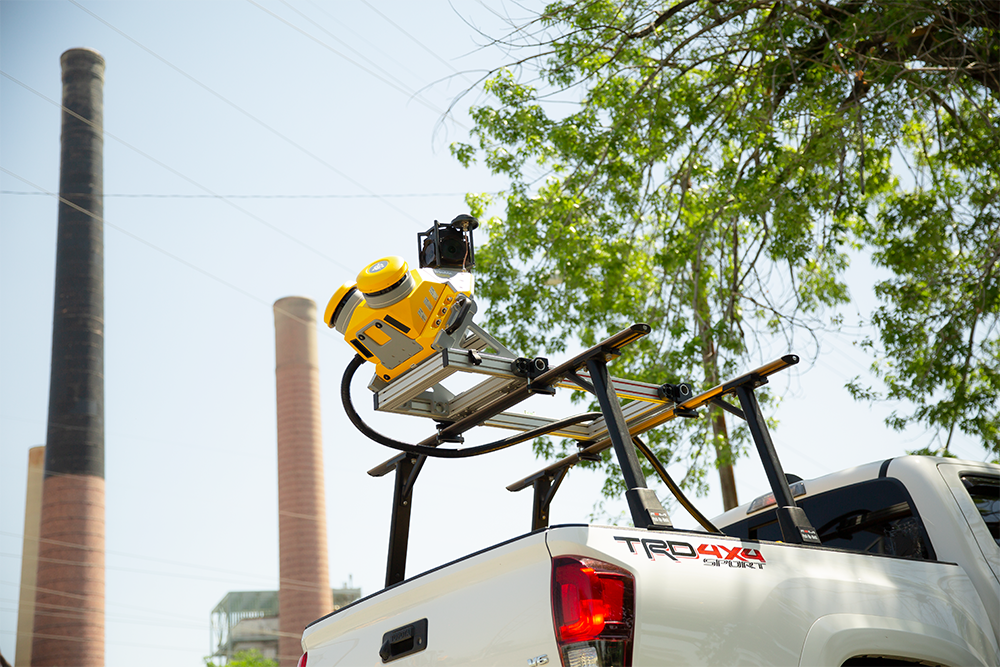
point(248, 658)
point(707, 166)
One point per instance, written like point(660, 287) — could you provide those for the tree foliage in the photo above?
point(708, 166)
point(248, 658)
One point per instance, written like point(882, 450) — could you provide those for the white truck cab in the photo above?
point(913, 507)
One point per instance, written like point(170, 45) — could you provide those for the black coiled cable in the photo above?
point(436, 452)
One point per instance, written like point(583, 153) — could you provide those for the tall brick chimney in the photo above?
point(69, 605)
point(304, 593)
point(29, 557)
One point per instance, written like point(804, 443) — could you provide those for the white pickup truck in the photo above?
point(892, 563)
point(908, 574)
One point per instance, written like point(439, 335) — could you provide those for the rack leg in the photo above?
point(646, 510)
point(795, 526)
point(407, 470)
point(540, 506)
point(545, 488)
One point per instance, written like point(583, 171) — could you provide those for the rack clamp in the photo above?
point(611, 352)
point(678, 393)
point(585, 454)
point(441, 439)
point(544, 389)
point(530, 369)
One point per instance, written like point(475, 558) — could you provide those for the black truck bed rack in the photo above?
point(509, 381)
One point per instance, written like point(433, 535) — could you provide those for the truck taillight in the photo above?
point(303, 659)
point(593, 608)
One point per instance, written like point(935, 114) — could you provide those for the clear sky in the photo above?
point(257, 150)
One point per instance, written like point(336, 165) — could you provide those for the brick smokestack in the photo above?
point(69, 605)
point(304, 593)
point(29, 557)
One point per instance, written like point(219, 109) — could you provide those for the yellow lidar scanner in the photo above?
point(395, 317)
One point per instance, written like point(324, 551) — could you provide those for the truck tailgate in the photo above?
point(490, 608)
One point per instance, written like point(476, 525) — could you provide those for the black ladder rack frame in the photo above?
point(645, 508)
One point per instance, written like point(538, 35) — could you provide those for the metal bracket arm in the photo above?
point(407, 470)
point(728, 407)
point(545, 490)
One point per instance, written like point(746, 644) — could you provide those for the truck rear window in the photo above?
point(876, 517)
point(985, 493)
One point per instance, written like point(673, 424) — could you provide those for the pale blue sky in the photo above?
point(282, 99)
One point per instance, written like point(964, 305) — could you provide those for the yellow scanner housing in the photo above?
point(395, 317)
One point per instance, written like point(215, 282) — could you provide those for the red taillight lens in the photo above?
point(580, 612)
point(593, 606)
point(303, 659)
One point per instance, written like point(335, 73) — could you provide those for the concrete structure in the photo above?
point(69, 605)
point(246, 620)
point(29, 557)
point(304, 592)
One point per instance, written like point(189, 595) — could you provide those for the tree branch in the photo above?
point(660, 20)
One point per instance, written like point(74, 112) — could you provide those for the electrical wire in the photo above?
point(415, 40)
point(130, 570)
point(240, 109)
point(151, 195)
point(138, 238)
point(296, 584)
point(275, 228)
point(380, 48)
point(413, 95)
point(119, 616)
point(144, 646)
point(172, 256)
point(402, 85)
point(164, 252)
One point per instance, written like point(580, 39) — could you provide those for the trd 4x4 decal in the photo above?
point(711, 554)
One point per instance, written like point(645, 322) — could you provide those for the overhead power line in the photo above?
point(243, 111)
point(398, 86)
point(145, 242)
point(379, 48)
point(190, 180)
point(415, 40)
point(258, 196)
point(172, 256)
point(402, 85)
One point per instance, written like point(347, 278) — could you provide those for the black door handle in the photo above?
point(403, 641)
